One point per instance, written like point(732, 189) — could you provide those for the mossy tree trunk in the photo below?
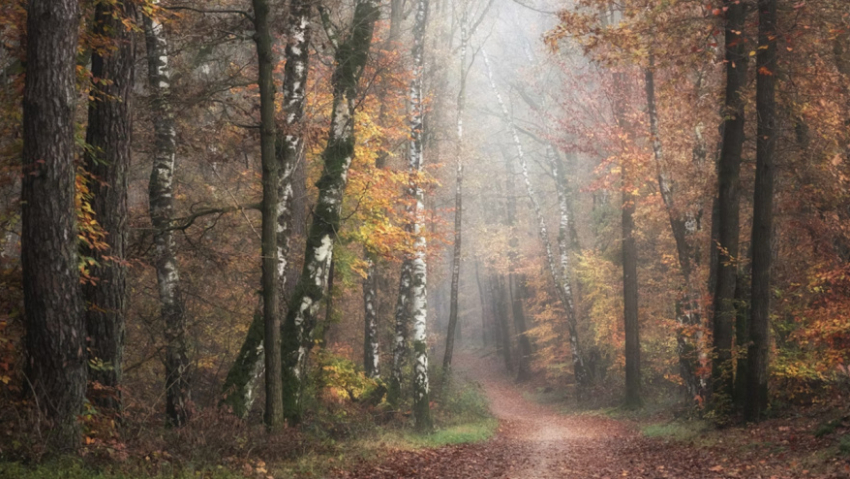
point(350, 58)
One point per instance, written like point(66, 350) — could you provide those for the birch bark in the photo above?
point(161, 205)
point(350, 58)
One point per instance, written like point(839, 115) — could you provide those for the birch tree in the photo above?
point(55, 328)
point(563, 287)
point(683, 228)
point(350, 59)
point(161, 208)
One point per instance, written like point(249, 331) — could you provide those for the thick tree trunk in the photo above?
point(456, 253)
point(351, 56)
point(563, 287)
point(728, 180)
point(755, 404)
point(55, 328)
point(683, 228)
point(108, 136)
point(273, 264)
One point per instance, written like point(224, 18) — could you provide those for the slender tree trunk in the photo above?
point(55, 328)
point(485, 310)
point(161, 205)
point(688, 315)
point(418, 292)
point(516, 283)
point(244, 374)
point(456, 253)
point(273, 264)
point(504, 329)
point(630, 295)
point(351, 56)
point(755, 404)
point(728, 179)
point(108, 136)
point(371, 354)
point(563, 287)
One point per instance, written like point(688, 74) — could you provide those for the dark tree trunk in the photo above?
point(272, 263)
point(728, 179)
point(755, 404)
point(453, 330)
point(630, 297)
point(55, 328)
point(161, 204)
point(502, 317)
point(108, 136)
point(517, 283)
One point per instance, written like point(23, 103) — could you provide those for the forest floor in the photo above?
point(540, 441)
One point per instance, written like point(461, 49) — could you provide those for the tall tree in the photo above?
point(161, 205)
point(55, 326)
point(563, 287)
point(683, 227)
point(249, 365)
point(630, 292)
point(273, 264)
point(108, 160)
point(516, 282)
point(418, 292)
point(458, 225)
point(755, 402)
point(350, 58)
point(728, 183)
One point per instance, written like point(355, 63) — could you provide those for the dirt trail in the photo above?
point(537, 442)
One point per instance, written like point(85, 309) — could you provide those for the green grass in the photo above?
point(460, 434)
point(676, 430)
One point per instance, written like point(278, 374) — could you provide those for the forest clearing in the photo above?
point(424, 238)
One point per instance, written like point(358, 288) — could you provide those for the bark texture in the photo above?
point(108, 160)
point(758, 351)
point(273, 264)
point(161, 206)
point(55, 328)
point(728, 180)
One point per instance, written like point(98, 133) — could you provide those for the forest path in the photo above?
point(536, 441)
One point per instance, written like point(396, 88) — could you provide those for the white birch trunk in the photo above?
point(562, 286)
point(161, 203)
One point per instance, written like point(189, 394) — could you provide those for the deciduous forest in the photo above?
point(424, 239)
